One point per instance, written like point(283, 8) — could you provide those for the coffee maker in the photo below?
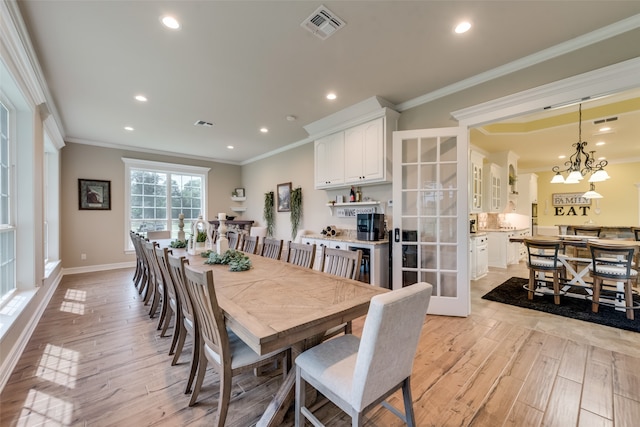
point(473, 223)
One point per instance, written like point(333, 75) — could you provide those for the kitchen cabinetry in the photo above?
point(479, 256)
point(364, 153)
point(477, 160)
point(378, 255)
point(329, 161)
point(502, 252)
point(357, 155)
point(493, 188)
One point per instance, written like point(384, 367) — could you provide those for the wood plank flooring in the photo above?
point(96, 359)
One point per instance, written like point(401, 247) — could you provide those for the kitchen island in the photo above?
point(377, 251)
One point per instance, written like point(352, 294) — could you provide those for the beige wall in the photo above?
point(100, 234)
point(618, 207)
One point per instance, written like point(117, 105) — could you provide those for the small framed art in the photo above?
point(94, 194)
point(284, 197)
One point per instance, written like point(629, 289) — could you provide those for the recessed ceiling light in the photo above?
point(600, 143)
point(291, 118)
point(331, 96)
point(170, 22)
point(562, 157)
point(605, 129)
point(141, 98)
point(462, 27)
point(230, 147)
point(128, 128)
point(264, 130)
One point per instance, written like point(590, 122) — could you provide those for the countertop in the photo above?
point(503, 230)
point(478, 234)
point(347, 238)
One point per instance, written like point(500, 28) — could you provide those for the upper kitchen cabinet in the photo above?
point(329, 161)
point(476, 181)
point(508, 163)
point(354, 145)
point(493, 184)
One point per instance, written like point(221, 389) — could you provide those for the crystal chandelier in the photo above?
point(580, 164)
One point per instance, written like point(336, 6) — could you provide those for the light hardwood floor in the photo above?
point(96, 359)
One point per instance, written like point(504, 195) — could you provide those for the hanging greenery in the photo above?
point(268, 212)
point(296, 210)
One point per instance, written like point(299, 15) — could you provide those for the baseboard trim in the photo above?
point(100, 267)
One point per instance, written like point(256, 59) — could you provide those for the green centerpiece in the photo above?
point(236, 260)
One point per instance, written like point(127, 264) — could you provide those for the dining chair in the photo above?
point(140, 276)
point(186, 322)
point(271, 248)
point(154, 280)
point(234, 239)
point(250, 244)
point(301, 254)
point(357, 374)
point(542, 258)
point(228, 354)
point(137, 275)
point(344, 263)
point(173, 303)
point(612, 263)
point(636, 235)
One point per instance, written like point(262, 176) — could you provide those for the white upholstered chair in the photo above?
point(358, 374)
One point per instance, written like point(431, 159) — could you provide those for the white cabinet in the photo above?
point(479, 257)
point(364, 153)
point(498, 242)
point(476, 181)
point(329, 161)
point(357, 155)
point(493, 188)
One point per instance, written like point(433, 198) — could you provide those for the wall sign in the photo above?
point(566, 199)
point(353, 212)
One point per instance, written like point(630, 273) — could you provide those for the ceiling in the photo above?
point(243, 65)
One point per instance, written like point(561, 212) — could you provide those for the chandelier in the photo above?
point(580, 164)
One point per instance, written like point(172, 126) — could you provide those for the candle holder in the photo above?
point(198, 226)
point(181, 227)
point(222, 244)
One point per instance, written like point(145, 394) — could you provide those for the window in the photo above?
point(159, 192)
point(7, 228)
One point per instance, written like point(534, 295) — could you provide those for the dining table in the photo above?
point(276, 305)
point(578, 275)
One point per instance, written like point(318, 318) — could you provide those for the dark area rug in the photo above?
point(511, 292)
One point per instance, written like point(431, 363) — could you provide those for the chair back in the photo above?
point(208, 314)
point(587, 231)
point(155, 235)
point(389, 341)
point(301, 254)
point(163, 264)
point(176, 269)
point(233, 238)
point(636, 233)
point(342, 262)
point(152, 263)
point(271, 248)
point(250, 244)
point(543, 255)
point(611, 261)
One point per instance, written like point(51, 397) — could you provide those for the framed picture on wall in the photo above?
point(284, 197)
point(94, 194)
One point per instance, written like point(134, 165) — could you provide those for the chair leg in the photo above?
point(408, 403)
point(628, 297)
point(595, 301)
point(225, 396)
point(163, 311)
point(202, 369)
point(556, 288)
point(531, 283)
point(195, 361)
point(182, 335)
point(301, 386)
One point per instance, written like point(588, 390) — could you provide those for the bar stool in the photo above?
point(612, 263)
point(542, 257)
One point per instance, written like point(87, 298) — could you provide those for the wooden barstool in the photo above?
point(612, 263)
point(542, 257)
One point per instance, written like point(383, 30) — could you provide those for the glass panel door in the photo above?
point(430, 239)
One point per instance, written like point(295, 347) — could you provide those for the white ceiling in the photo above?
point(243, 65)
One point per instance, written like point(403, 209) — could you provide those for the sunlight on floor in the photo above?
point(75, 295)
point(43, 409)
point(59, 365)
point(73, 306)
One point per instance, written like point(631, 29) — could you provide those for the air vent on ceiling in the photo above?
point(203, 123)
point(610, 119)
point(323, 22)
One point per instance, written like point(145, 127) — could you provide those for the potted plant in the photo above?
point(296, 210)
point(268, 212)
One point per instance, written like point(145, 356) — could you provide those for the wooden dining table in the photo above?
point(277, 305)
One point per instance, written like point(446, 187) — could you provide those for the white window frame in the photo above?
point(161, 167)
point(10, 227)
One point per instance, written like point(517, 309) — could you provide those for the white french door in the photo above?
point(430, 215)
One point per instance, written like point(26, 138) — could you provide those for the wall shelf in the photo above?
point(238, 199)
point(354, 205)
point(238, 208)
